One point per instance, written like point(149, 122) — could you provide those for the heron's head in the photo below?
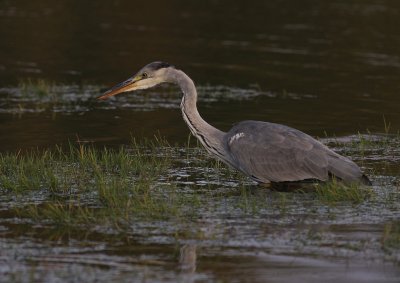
point(150, 75)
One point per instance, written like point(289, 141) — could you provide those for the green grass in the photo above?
point(85, 185)
point(132, 201)
point(335, 192)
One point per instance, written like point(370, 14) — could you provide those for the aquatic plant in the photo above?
point(36, 88)
point(84, 183)
point(333, 192)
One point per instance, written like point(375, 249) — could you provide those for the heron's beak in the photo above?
point(128, 85)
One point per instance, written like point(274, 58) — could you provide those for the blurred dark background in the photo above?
point(331, 66)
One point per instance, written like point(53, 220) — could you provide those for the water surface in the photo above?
point(330, 67)
point(327, 68)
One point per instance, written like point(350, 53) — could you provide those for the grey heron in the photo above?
point(264, 151)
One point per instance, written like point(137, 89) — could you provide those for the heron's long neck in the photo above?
point(208, 135)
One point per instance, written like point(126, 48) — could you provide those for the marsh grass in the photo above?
point(334, 192)
point(37, 88)
point(80, 185)
point(40, 95)
point(132, 199)
point(85, 185)
point(364, 145)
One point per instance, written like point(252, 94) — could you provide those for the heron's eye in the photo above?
point(144, 75)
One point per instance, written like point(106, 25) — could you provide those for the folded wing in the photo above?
point(270, 152)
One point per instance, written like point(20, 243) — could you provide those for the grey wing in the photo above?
point(270, 152)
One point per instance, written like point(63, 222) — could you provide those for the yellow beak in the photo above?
point(129, 84)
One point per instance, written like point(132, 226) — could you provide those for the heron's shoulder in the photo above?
point(249, 130)
point(260, 133)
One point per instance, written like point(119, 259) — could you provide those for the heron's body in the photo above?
point(289, 155)
point(266, 152)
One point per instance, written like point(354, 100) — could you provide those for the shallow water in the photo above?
point(230, 230)
point(329, 69)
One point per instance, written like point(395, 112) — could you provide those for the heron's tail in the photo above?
point(346, 170)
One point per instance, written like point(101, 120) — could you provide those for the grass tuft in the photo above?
point(88, 185)
point(334, 192)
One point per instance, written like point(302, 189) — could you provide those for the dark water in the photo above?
point(330, 66)
point(325, 67)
